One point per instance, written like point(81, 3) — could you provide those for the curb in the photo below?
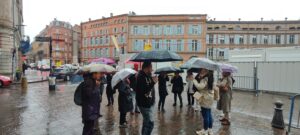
point(18, 83)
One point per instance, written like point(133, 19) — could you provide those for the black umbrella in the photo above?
point(168, 69)
point(156, 56)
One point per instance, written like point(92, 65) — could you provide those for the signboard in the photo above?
point(43, 39)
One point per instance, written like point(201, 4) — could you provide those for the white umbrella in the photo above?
point(121, 75)
point(204, 63)
point(98, 68)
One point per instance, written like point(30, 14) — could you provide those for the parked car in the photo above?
point(5, 81)
point(63, 73)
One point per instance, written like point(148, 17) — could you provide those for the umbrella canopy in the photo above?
point(168, 69)
point(121, 75)
point(156, 56)
point(204, 63)
point(228, 68)
point(98, 68)
point(102, 61)
point(187, 64)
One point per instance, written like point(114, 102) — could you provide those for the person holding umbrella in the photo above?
point(91, 102)
point(177, 88)
point(162, 88)
point(125, 101)
point(145, 96)
point(205, 96)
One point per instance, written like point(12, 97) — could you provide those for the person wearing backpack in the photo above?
point(90, 102)
point(224, 103)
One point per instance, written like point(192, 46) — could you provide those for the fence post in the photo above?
point(255, 78)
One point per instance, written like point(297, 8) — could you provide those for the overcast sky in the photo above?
point(39, 13)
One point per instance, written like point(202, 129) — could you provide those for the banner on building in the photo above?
point(115, 43)
point(147, 46)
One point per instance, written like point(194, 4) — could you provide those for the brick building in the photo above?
point(96, 37)
point(65, 39)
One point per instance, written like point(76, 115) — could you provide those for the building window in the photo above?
point(222, 40)
point(210, 39)
point(254, 40)
point(195, 29)
point(135, 30)
point(221, 54)
point(292, 39)
point(156, 30)
point(277, 40)
point(265, 39)
point(241, 40)
point(168, 30)
point(146, 30)
point(179, 29)
point(168, 45)
point(179, 43)
point(123, 29)
point(194, 45)
point(210, 52)
point(115, 30)
point(107, 40)
point(231, 40)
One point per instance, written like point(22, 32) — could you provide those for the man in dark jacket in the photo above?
point(145, 96)
point(177, 88)
point(163, 92)
point(132, 80)
point(90, 103)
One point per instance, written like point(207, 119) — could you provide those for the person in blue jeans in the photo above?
point(145, 97)
point(204, 86)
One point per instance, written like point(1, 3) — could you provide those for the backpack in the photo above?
point(77, 94)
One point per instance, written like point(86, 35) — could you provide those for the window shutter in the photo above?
point(215, 39)
point(131, 30)
point(199, 30)
point(160, 44)
point(182, 45)
point(226, 38)
point(153, 44)
point(287, 39)
point(245, 39)
point(199, 46)
point(226, 53)
point(282, 41)
point(296, 39)
point(190, 45)
point(207, 39)
point(190, 29)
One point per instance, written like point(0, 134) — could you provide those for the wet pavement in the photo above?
point(38, 111)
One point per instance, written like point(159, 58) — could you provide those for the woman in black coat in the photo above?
point(109, 91)
point(90, 102)
point(125, 101)
point(163, 92)
point(177, 88)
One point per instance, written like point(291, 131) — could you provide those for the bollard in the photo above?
point(52, 83)
point(278, 121)
point(24, 83)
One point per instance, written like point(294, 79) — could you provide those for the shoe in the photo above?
point(174, 104)
point(158, 108)
point(210, 132)
point(124, 125)
point(200, 132)
point(137, 112)
point(108, 105)
point(181, 106)
point(100, 115)
point(222, 119)
point(225, 122)
point(163, 110)
point(132, 113)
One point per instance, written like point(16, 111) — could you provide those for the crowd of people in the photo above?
point(202, 90)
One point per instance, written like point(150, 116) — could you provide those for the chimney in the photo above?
point(214, 19)
point(239, 19)
point(111, 14)
point(103, 17)
point(285, 18)
point(55, 19)
point(90, 19)
point(261, 19)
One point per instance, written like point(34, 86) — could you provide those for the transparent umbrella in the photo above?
point(121, 75)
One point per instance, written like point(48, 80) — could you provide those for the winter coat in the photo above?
point(132, 80)
point(224, 103)
point(90, 100)
point(145, 94)
point(162, 85)
point(109, 90)
point(207, 96)
point(125, 98)
point(177, 84)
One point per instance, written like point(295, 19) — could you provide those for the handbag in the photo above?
point(197, 95)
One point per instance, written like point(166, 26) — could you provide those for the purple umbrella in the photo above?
point(103, 61)
point(228, 68)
